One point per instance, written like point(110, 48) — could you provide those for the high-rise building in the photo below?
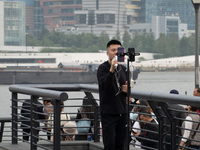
point(59, 13)
point(97, 16)
point(168, 25)
point(12, 23)
point(143, 10)
point(183, 8)
point(38, 19)
point(29, 15)
point(148, 8)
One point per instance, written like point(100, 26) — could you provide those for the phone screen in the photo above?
point(120, 50)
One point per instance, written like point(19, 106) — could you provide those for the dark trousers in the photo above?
point(26, 134)
point(114, 131)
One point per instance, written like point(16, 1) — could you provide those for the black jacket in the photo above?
point(110, 103)
point(149, 135)
point(26, 110)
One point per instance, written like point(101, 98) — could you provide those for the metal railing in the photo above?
point(157, 101)
point(4, 129)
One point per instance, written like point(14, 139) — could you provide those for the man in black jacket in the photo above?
point(112, 83)
point(26, 119)
point(148, 130)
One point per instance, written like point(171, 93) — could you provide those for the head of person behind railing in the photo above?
point(48, 109)
point(87, 109)
point(70, 128)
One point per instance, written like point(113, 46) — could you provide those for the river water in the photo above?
point(147, 81)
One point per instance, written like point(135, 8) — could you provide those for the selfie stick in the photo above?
point(131, 57)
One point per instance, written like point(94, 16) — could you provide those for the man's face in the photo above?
point(112, 50)
point(196, 93)
point(144, 118)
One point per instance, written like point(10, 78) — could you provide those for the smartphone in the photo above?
point(120, 50)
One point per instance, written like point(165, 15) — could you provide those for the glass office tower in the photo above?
point(14, 23)
point(148, 8)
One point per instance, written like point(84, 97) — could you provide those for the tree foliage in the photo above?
point(164, 46)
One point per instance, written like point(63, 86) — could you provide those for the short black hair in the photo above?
point(193, 108)
point(114, 42)
point(145, 112)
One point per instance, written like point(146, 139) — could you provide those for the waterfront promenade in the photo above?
point(59, 92)
point(74, 145)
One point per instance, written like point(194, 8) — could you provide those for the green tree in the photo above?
point(31, 41)
point(117, 36)
point(187, 46)
point(172, 46)
point(161, 44)
point(126, 39)
point(44, 33)
point(46, 42)
point(149, 43)
point(103, 40)
point(136, 42)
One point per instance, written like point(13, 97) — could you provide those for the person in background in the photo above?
point(64, 118)
point(70, 128)
point(149, 125)
point(86, 111)
point(196, 92)
point(112, 82)
point(191, 128)
point(137, 125)
point(26, 118)
point(48, 109)
point(179, 114)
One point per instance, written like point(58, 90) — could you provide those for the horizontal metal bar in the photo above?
point(38, 92)
point(155, 96)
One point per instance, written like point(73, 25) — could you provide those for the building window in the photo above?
point(172, 27)
point(67, 18)
point(67, 10)
point(78, 2)
point(129, 19)
point(67, 2)
point(105, 18)
point(81, 19)
point(50, 11)
point(172, 22)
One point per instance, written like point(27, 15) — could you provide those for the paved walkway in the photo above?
point(26, 146)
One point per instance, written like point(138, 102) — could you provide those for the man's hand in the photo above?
point(113, 67)
point(125, 87)
point(135, 133)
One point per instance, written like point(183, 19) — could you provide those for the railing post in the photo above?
point(56, 124)
point(165, 109)
point(159, 117)
point(96, 116)
point(34, 123)
point(14, 118)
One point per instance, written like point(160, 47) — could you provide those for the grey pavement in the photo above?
point(26, 146)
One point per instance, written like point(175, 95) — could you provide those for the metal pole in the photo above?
point(56, 124)
point(196, 6)
point(14, 118)
point(26, 41)
point(118, 17)
point(127, 106)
